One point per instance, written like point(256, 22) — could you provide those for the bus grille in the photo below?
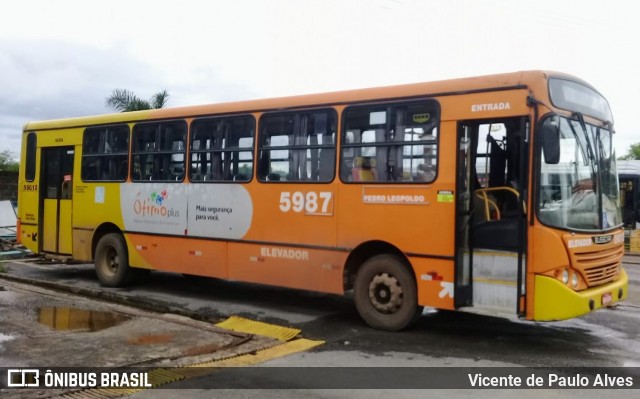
point(600, 267)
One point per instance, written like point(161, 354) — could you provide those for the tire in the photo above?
point(385, 294)
point(112, 261)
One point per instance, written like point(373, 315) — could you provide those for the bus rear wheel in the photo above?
point(385, 294)
point(112, 261)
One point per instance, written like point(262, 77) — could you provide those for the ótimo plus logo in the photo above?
point(154, 205)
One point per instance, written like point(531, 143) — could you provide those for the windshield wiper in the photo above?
point(596, 169)
point(583, 125)
point(584, 149)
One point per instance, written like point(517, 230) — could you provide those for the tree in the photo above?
point(8, 162)
point(124, 101)
point(633, 153)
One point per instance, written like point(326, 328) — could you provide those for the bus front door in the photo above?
point(490, 262)
point(56, 193)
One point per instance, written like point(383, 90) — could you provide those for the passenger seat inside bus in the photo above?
point(364, 169)
point(494, 228)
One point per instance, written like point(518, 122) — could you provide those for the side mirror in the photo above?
point(551, 143)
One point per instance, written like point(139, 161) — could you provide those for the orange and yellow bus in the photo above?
point(494, 194)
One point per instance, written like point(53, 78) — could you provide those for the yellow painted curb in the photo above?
point(261, 356)
point(240, 324)
point(161, 376)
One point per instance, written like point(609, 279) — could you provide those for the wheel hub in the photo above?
point(113, 261)
point(385, 293)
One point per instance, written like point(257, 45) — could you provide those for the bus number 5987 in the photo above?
point(311, 203)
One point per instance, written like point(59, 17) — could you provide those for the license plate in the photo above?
point(606, 298)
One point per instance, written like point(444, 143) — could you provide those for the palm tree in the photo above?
point(124, 101)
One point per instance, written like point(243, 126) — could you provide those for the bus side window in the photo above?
point(30, 159)
point(394, 142)
point(159, 151)
point(364, 169)
point(105, 153)
point(297, 146)
point(222, 149)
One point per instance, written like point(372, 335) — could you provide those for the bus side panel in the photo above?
point(302, 268)
point(82, 240)
point(415, 218)
point(184, 227)
point(181, 255)
point(28, 203)
point(29, 237)
point(294, 231)
point(434, 278)
point(485, 105)
point(94, 203)
point(293, 214)
point(375, 213)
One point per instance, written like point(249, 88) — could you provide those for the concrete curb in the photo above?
point(137, 302)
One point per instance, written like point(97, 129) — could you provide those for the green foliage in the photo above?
point(633, 153)
point(8, 162)
point(159, 100)
point(125, 101)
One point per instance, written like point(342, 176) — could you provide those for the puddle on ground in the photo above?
point(67, 319)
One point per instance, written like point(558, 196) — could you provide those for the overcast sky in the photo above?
point(62, 58)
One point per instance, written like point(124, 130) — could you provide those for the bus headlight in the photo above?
point(574, 280)
point(569, 277)
point(565, 276)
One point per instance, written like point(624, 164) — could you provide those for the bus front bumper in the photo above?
point(555, 301)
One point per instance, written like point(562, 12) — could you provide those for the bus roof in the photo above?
point(529, 79)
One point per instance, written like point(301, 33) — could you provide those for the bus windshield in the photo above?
point(581, 191)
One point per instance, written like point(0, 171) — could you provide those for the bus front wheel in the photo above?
point(112, 260)
point(385, 294)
